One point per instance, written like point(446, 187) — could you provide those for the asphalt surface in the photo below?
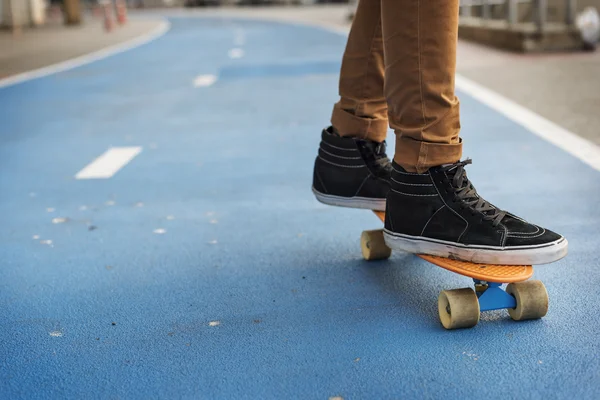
point(204, 268)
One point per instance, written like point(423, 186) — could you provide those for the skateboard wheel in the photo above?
point(531, 298)
point(373, 245)
point(458, 308)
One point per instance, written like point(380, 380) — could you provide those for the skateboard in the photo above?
point(461, 308)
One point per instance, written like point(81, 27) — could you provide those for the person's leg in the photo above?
point(362, 109)
point(352, 168)
point(420, 39)
point(432, 207)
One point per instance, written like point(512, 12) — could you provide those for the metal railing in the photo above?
point(538, 13)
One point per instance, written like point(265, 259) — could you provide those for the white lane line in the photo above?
point(236, 53)
point(578, 147)
point(583, 149)
point(157, 32)
point(204, 80)
point(109, 163)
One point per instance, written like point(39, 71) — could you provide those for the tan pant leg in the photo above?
point(420, 39)
point(362, 109)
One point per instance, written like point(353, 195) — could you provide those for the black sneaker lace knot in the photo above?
point(466, 193)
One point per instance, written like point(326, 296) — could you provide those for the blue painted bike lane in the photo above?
point(205, 268)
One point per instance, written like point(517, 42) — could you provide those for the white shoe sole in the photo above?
point(514, 255)
point(350, 202)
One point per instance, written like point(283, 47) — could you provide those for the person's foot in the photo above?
point(440, 213)
point(351, 172)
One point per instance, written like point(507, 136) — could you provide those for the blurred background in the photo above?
point(512, 46)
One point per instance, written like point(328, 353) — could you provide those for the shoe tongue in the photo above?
point(369, 144)
point(452, 172)
point(475, 196)
point(378, 149)
point(374, 153)
point(462, 183)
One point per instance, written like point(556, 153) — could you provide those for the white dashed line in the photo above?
point(109, 163)
point(204, 80)
point(236, 53)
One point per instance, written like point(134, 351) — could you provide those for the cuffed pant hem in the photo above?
point(417, 156)
point(348, 124)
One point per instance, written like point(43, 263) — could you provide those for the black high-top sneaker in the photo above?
point(440, 213)
point(351, 172)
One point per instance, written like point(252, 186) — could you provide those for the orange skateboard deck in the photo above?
point(483, 272)
point(460, 308)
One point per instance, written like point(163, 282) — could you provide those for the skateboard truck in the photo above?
point(492, 297)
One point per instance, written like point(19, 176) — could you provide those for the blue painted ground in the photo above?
point(121, 312)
